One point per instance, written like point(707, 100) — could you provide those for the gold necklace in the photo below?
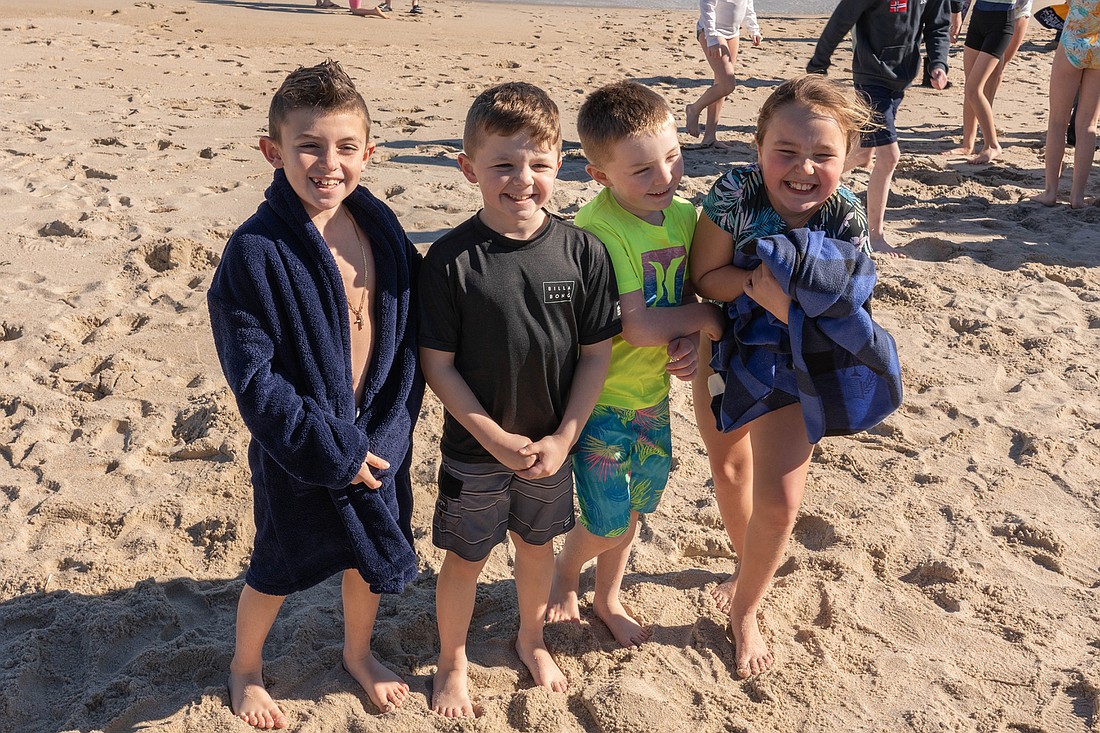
point(362, 296)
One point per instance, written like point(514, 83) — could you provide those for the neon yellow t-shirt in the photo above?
point(652, 259)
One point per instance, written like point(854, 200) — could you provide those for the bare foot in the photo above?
point(563, 605)
point(1046, 198)
point(704, 143)
point(326, 4)
point(375, 12)
point(384, 688)
point(750, 649)
point(988, 155)
point(961, 150)
point(449, 696)
point(624, 626)
point(723, 593)
point(692, 121)
point(249, 701)
point(883, 247)
point(1081, 203)
point(542, 666)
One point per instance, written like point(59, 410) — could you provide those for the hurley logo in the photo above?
point(558, 292)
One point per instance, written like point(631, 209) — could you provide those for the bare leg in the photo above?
point(580, 547)
point(384, 688)
point(781, 457)
point(970, 119)
point(610, 568)
point(534, 568)
point(721, 59)
point(981, 67)
point(710, 132)
point(730, 456)
point(970, 122)
point(878, 191)
point(1065, 80)
point(860, 157)
point(714, 109)
point(455, 590)
point(373, 12)
point(1088, 107)
point(248, 698)
point(992, 85)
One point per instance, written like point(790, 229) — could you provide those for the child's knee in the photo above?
point(888, 155)
point(779, 512)
point(726, 85)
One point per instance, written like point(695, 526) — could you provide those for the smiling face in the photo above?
point(643, 173)
point(323, 156)
point(802, 158)
point(516, 177)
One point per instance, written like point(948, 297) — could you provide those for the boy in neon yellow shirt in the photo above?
point(624, 454)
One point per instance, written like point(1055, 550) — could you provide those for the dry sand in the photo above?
point(944, 573)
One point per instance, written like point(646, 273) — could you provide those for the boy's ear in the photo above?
point(270, 149)
point(467, 167)
point(368, 152)
point(598, 175)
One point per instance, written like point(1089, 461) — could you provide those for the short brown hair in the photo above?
point(616, 112)
point(509, 108)
point(323, 89)
point(823, 96)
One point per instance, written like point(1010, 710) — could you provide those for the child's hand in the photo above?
point(756, 39)
point(511, 452)
point(367, 478)
point(717, 51)
point(549, 454)
point(683, 358)
point(763, 288)
point(716, 324)
point(939, 79)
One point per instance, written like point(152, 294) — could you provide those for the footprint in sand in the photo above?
point(10, 331)
point(814, 532)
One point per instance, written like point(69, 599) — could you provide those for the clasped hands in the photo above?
point(531, 459)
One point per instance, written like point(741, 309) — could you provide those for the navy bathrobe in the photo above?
point(281, 327)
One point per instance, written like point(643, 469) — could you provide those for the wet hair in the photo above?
point(618, 112)
point(824, 96)
point(510, 108)
point(322, 89)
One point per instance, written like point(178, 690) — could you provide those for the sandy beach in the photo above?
point(944, 574)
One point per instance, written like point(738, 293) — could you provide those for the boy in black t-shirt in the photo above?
point(518, 309)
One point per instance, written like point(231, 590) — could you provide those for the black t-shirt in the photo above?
point(515, 314)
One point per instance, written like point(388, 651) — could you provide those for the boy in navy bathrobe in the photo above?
point(314, 325)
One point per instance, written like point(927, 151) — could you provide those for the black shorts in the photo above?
point(479, 503)
point(990, 31)
point(884, 103)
